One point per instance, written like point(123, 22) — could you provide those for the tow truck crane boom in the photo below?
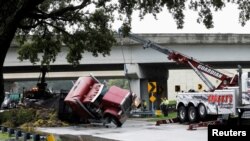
point(197, 66)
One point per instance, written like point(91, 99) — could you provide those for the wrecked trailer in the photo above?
point(94, 102)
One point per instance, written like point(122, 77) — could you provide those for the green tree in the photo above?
point(85, 25)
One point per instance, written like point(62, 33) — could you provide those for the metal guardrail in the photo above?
point(148, 113)
point(143, 113)
point(18, 134)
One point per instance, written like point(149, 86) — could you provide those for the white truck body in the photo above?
point(218, 102)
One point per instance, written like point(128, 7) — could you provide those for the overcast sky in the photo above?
point(225, 21)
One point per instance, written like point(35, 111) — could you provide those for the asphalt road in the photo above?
point(134, 130)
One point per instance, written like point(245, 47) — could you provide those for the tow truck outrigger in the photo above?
point(230, 97)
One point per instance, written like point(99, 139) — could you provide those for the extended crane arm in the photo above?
point(148, 43)
point(197, 66)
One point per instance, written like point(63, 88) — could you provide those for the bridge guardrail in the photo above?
point(17, 134)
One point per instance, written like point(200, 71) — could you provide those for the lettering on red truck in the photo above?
point(220, 98)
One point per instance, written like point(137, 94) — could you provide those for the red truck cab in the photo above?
point(94, 102)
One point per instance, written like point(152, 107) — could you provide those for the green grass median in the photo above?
point(162, 117)
point(4, 136)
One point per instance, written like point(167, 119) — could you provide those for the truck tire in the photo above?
point(192, 114)
point(106, 120)
point(116, 122)
point(182, 114)
point(202, 111)
point(11, 105)
point(109, 118)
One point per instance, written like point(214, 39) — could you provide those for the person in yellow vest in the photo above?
point(144, 105)
point(164, 106)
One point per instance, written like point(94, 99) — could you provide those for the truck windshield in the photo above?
point(248, 83)
point(7, 96)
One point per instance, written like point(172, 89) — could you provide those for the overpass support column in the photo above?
point(141, 75)
point(133, 73)
point(137, 85)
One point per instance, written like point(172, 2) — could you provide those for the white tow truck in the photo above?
point(230, 97)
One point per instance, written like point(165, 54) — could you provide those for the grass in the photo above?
point(161, 117)
point(4, 136)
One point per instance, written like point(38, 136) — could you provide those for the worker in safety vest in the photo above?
point(144, 105)
point(164, 106)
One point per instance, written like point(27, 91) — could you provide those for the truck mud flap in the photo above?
point(166, 121)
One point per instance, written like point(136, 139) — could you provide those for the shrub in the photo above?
point(30, 118)
point(16, 117)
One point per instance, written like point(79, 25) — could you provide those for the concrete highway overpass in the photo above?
point(143, 65)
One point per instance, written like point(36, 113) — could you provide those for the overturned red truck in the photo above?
point(95, 102)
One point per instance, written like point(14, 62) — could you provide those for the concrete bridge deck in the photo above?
point(144, 65)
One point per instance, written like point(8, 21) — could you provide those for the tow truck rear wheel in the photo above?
point(202, 111)
point(192, 114)
point(182, 114)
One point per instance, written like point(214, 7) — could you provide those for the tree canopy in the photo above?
point(44, 26)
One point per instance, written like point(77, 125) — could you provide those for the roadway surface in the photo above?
point(133, 130)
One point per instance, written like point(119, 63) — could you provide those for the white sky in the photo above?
point(225, 21)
